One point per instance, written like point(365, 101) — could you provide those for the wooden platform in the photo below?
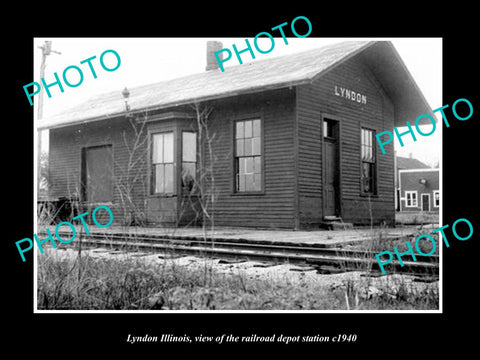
point(314, 237)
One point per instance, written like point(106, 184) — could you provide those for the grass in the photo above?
point(131, 283)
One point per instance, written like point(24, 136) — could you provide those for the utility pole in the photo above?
point(46, 50)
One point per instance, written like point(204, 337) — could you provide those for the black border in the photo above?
point(378, 334)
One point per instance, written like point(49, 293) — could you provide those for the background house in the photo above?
point(419, 190)
point(403, 163)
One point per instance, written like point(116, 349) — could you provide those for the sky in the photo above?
point(150, 60)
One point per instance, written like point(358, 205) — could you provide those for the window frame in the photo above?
point(412, 205)
point(373, 163)
point(235, 161)
point(153, 165)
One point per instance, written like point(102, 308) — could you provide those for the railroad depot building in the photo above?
point(289, 142)
point(419, 190)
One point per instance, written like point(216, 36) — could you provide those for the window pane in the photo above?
point(256, 128)
point(241, 166)
point(248, 147)
point(189, 146)
point(367, 145)
point(258, 165)
point(249, 165)
point(240, 149)
point(169, 178)
point(256, 146)
point(248, 129)
point(365, 170)
point(367, 177)
point(249, 183)
point(328, 128)
point(159, 179)
point(239, 134)
point(188, 170)
point(188, 175)
point(157, 150)
point(241, 183)
point(364, 145)
point(168, 148)
point(258, 182)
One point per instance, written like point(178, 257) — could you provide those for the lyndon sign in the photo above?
point(350, 95)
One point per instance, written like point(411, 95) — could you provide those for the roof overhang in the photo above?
point(380, 56)
point(385, 63)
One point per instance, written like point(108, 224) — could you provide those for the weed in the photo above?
point(132, 283)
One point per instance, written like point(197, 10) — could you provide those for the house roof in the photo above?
point(259, 75)
point(410, 163)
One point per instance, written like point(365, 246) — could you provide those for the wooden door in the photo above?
point(425, 202)
point(97, 174)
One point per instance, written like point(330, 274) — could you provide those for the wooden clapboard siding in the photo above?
point(292, 154)
point(273, 208)
point(66, 163)
point(316, 101)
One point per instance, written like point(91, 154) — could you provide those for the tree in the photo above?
point(205, 184)
point(129, 178)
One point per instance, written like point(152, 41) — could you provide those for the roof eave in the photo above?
point(409, 101)
point(175, 104)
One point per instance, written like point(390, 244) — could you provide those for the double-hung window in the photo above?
point(411, 199)
point(248, 156)
point(369, 162)
point(163, 168)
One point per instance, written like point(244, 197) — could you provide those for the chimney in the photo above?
point(410, 155)
point(213, 46)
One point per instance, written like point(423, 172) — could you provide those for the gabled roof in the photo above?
point(259, 75)
point(410, 163)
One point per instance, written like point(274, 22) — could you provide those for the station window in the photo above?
point(369, 162)
point(163, 168)
point(248, 156)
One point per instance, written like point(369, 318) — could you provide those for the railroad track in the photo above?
point(324, 259)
